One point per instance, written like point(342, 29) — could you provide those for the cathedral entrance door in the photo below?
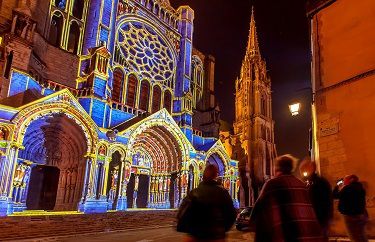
point(57, 145)
point(172, 190)
point(143, 189)
point(130, 191)
point(43, 186)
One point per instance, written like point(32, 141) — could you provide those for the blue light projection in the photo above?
point(90, 152)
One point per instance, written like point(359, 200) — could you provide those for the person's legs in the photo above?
point(355, 226)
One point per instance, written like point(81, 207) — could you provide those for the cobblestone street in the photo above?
point(166, 234)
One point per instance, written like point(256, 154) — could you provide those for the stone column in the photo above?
point(20, 182)
point(196, 179)
point(8, 166)
point(105, 176)
point(167, 185)
point(161, 188)
point(121, 197)
point(89, 202)
point(177, 191)
point(88, 180)
point(156, 191)
point(163, 193)
point(149, 192)
point(183, 181)
point(136, 183)
point(103, 182)
point(149, 204)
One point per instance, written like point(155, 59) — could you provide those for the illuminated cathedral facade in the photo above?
point(253, 142)
point(105, 105)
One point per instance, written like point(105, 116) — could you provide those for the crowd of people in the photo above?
point(288, 208)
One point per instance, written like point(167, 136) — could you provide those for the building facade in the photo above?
point(343, 76)
point(97, 106)
point(253, 142)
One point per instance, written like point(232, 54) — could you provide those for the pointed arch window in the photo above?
point(74, 36)
point(131, 91)
point(56, 28)
point(156, 97)
point(144, 95)
point(168, 101)
point(118, 78)
point(78, 8)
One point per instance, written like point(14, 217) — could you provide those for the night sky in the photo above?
point(221, 29)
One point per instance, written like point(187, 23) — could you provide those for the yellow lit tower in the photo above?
point(254, 144)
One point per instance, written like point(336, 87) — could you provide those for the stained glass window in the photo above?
point(118, 77)
point(168, 101)
point(146, 52)
point(144, 98)
point(156, 97)
point(131, 91)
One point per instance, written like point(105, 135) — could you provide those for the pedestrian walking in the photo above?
point(352, 205)
point(283, 211)
point(207, 212)
point(320, 192)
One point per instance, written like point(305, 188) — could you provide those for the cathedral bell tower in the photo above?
point(254, 144)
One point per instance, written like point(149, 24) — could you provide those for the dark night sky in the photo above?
point(221, 29)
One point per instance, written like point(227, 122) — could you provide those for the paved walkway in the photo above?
point(165, 234)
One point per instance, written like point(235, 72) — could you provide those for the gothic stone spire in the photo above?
point(252, 44)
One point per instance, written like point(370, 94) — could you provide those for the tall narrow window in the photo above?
point(73, 41)
point(118, 77)
point(131, 91)
point(156, 97)
point(55, 30)
point(168, 101)
point(144, 95)
point(78, 8)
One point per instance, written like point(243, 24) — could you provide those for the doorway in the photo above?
point(43, 185)
point(142, 198)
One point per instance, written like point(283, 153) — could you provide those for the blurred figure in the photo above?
point(320, 192)
point(283, 211)
point(352, 205)
point(207, 212)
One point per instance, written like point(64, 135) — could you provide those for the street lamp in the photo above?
point(294, 108)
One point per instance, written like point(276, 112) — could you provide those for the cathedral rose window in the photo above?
point(146, 52)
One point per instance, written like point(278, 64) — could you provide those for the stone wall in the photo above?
point(344, 76)
point(24, 227)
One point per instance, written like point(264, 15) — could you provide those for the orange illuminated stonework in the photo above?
point(343, 77)
point(253, 141)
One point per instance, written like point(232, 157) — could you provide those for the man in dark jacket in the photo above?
point(352, 205)
point(207, 212)
point(320, 192)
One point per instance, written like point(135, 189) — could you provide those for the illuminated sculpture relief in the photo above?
point(141, 160)
point(114, 180)
point(146, 52)
point(3, 134)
